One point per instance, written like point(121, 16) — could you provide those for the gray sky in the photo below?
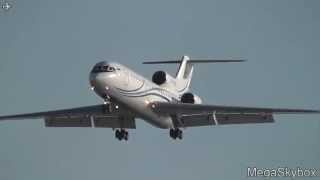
point(48, 47)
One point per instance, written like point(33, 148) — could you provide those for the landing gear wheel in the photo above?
point(176, 133)
point(179, 134)
point(124, 134)
point(118, 135)
point(172, 134)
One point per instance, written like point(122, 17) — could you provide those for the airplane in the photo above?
point(165, 102)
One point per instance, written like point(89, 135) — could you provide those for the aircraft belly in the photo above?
point(140, 106)
point(136, 102)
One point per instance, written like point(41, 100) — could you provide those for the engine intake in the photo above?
point(159, 77)
point(187, 98)
point(190, 98)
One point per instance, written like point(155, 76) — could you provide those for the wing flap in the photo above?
point(68, 122)
point(196, 120)
point(114, 122)
point(223, 119)
point(243, 118)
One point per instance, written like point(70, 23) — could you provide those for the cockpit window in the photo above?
point(105, 68)
point(110, 69)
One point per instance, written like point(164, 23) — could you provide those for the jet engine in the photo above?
point(161, 77)
point(190, 98)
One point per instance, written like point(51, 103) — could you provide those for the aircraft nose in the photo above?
point(97, 79)
point(103, 74)
point(102, 78)
point(92, 79)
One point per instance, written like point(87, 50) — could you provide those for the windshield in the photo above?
point(105, 68)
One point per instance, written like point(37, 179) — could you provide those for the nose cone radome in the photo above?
point(102, 79)
point(103, 74)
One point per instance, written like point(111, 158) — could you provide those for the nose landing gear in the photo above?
point(176, 133)
point(122, 134)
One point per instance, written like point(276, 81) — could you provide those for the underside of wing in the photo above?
point(97, 121)
point(168, 108)
point(187, 115)
point(80, 111)
point(89, 116)
point(206, 119)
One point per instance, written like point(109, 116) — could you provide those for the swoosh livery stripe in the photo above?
point(148, 90)
point(149, 94)
point(132, 90)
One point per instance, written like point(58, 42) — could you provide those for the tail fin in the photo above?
point(184, 75)
point(185, 70)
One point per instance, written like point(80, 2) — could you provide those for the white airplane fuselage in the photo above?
point(132, 90)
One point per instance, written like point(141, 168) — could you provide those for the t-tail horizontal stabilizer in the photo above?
point(185, 69)
point(195, 61)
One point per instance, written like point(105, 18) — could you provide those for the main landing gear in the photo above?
point(122, 134)
point(176, 133)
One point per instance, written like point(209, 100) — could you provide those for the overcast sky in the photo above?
point(47, 49)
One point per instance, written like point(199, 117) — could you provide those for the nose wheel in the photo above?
point(122, 134)
point(176, 133)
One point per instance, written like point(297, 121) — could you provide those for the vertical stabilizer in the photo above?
point(184, 75)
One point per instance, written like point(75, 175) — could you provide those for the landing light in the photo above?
point(92, 88)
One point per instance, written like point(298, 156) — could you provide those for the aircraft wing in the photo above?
point(89, 116)
point(186, 115)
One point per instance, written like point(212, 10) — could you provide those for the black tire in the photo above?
point(175, 133)
point(126, 136)
point(171, 133)
point(118, 135)
point(180, 134)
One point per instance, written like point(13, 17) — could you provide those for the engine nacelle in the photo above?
point(161, 77)
point(190, 98)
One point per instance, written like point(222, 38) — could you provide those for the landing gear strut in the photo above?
point(122, 134)
point(176, 133)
